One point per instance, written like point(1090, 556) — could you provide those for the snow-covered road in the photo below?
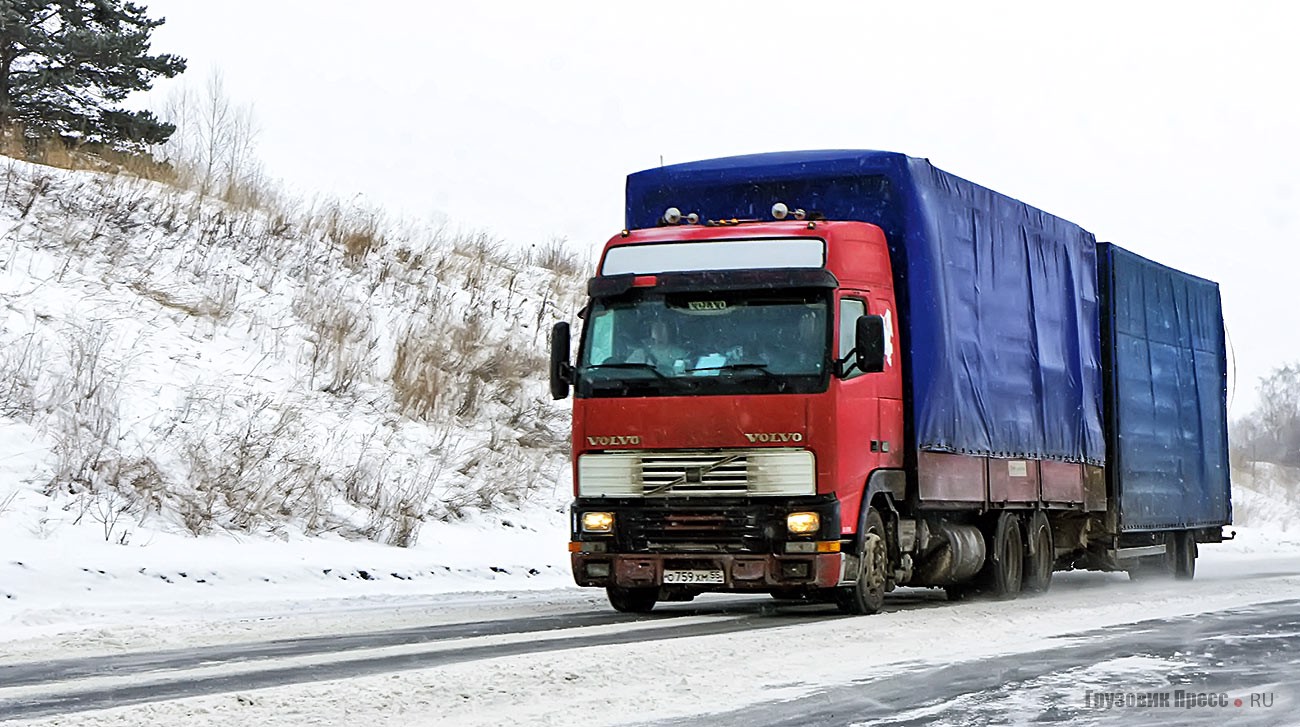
point(553, 657)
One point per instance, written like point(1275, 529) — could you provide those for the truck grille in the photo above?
point(773, 471)
point(695, 474)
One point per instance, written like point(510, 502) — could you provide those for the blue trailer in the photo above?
point(1165, 383)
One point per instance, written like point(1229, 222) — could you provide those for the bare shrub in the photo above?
point(341, 336)
point(245, 474)
point(357, 233)
point(556, 255)
point(20, 374)
point(420, 370)
point(214, 147)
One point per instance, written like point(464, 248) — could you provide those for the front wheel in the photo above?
point(632, 600)
point(867, 595)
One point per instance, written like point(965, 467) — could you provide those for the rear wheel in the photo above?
point(1040, 559)
point(1004, 570)
point(1156, 567)
point(867, 595)
point(632, 600)
point(1185, 555)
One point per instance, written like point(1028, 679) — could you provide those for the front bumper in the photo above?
point(757, 572)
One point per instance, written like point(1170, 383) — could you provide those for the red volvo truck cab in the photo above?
point(825, 374)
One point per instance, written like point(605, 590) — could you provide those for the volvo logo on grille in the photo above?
point(694, 475)
point(613, 441)
point(767, 437)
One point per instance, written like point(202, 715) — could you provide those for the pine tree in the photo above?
point(66, 65)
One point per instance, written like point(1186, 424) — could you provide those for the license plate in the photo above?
point(693, 576)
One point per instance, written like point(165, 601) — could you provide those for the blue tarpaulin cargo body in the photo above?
point(999, 298)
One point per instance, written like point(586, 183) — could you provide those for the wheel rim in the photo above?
point(874, 571)
point(1013, 559)
point(1044, 561)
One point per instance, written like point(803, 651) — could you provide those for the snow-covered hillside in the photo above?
point(178, 376)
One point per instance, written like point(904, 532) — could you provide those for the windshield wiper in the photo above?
point(739, 366)
point(631, 365)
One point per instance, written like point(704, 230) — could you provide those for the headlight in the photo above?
point(803, 523)
point(597, 522)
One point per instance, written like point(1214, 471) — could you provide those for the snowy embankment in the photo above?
point(204, 404)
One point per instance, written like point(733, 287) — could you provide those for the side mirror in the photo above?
point(561, 370)
point(870, 344)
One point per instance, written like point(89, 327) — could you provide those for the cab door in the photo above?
point(857, 412)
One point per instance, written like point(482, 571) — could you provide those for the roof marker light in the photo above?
point(673, 216)
point(780, 211)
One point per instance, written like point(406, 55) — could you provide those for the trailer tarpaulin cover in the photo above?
point(999, 298)
point(1166, 393)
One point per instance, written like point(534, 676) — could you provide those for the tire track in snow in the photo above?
point(41, 689)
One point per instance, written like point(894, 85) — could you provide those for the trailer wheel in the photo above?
point(1004, 568)
point(1039, 563)
point(867, 595)
point(632, 600)
point(1185, 552)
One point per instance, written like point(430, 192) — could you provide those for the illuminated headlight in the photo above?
point(597, 522)
point(803, 523)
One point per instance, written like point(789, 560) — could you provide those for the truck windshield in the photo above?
point(648, 344)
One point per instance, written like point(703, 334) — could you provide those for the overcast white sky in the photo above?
point(1169, 128)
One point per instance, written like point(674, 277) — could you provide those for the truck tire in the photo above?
point(1185, 552)
point(867, 595)
point(1156, 567)
point(1041, 562)
point(632, 600)
point(1004, 568)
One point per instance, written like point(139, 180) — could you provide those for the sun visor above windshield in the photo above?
point(610, 285)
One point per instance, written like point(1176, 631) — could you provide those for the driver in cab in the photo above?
point(661, 351)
